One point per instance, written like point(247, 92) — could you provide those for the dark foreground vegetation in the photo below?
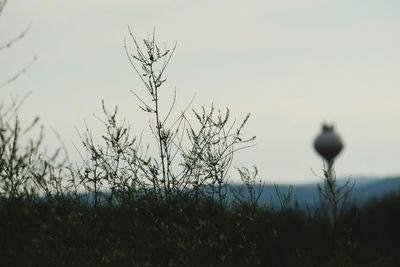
point(126, 206)
point(188, 232)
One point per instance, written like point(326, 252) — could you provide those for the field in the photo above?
point(66, 232)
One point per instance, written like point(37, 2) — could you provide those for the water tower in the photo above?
point(328, 144)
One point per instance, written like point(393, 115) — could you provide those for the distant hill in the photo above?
point(307, 196)
point(364, 189)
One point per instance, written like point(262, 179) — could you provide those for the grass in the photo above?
point(68, 232)
point(124, 207)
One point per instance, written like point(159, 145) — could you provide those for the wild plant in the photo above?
point(252, 188)
point(337, 198)
point(25, 168)
point(193, 156)
point(10, 43)
point(284, 198)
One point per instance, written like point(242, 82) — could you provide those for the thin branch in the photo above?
point(16, 76)
point(147, 107)
point(169, 58)
point(15, 39)
point(134, 67)
point(171, 108)
point(183, 112)
point(2, 5)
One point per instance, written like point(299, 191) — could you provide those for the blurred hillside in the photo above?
point(365, 189)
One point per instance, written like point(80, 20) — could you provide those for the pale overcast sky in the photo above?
point(292, 64)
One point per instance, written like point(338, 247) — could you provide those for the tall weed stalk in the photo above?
point(194, 153)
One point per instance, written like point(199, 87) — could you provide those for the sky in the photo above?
point(292, 64)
